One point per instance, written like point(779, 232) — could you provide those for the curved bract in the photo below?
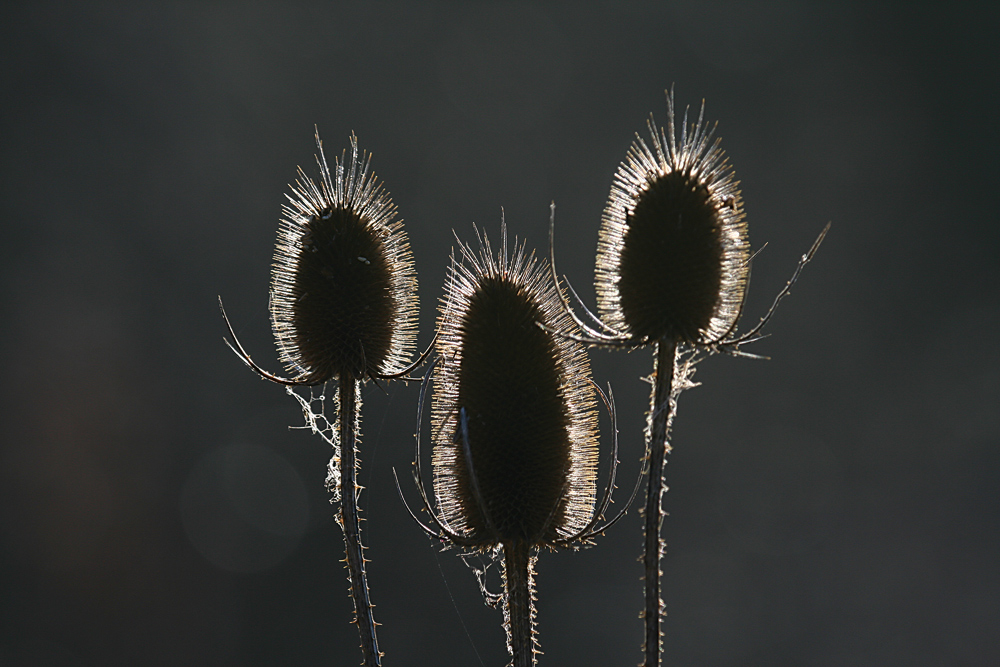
point(343, 307)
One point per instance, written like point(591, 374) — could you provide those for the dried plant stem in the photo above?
point(519, 602)
point(363, 616)
point(664, 404)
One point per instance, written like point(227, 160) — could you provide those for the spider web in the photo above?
point(481, 565)
point(313, 401)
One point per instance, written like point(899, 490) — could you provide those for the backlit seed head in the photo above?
point(343, 286)
point(524, 465)
point(672, 252)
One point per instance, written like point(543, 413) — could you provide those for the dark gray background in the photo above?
point(837, 505)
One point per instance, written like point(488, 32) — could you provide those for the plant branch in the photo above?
point(661, 413)
point(363, 616)
point(519, 602)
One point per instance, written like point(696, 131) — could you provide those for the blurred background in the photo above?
point(836, 505)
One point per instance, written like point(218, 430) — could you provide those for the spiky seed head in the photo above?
point(525, 465)
point(343, 285)
point(672, 250)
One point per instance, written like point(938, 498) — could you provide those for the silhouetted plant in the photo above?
point(673, 263)
point(343, 307)
point(514, 426)
point(514, 419)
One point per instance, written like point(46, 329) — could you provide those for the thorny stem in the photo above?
point(661, 415)
point(519, 602)
point(363, 616)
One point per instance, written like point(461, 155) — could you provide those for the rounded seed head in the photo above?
point(343, 286)
point(672, 251)
point(514, 414)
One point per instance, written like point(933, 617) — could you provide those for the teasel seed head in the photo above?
point(513, 410)
point(343, 286)
point(672, 253)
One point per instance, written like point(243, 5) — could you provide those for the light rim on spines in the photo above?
point(699, 156)
point(352, 187)
point(465, 272)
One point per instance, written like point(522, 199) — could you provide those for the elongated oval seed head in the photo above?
point(672, 250)
point(343, 286)
point(514, 414)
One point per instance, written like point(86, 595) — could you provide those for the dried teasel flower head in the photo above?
point(514, 410)
point(343, 286)
point(672, 253)
point(514, 426)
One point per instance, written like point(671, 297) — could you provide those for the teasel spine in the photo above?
point(343, 308)
point(501, 322)
point(691, 180)
point(520, 275)
point(517, 276)
point(672, 269)
point(351, 190)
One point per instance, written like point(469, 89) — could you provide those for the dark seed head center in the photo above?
point(509, 387)
point(671, 260)
point(344, 308)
